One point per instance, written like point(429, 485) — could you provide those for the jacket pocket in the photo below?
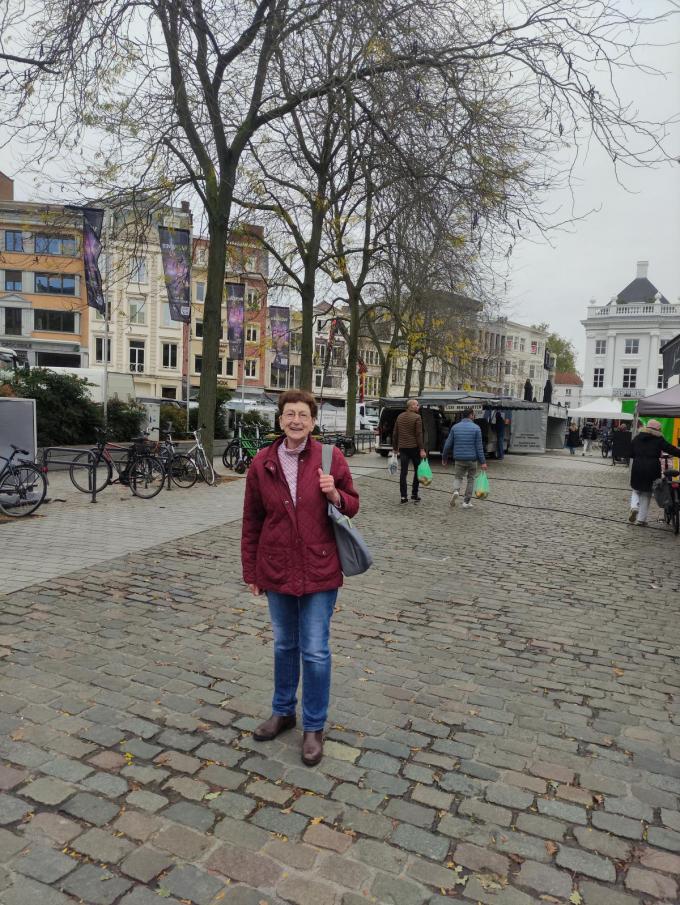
point(271, 567)
point(322, 562)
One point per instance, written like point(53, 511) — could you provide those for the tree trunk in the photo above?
point(212, 321)
point(307, 294)
point(422, 375)
point(352, 347)
point(409, 371)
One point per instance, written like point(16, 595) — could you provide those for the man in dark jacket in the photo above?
point(646, 450)
point(408, 444)
point(587, 435)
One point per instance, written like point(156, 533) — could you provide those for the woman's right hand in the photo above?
point(253, 588)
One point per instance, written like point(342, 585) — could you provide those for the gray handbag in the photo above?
point(355, 557)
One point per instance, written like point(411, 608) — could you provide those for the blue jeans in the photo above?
point(301, 629)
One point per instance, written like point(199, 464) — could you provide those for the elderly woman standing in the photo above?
point(288, 551)
point(646, 450)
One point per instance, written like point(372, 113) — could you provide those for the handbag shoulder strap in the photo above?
point(326, 458)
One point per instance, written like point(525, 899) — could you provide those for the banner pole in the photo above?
point(106, 363)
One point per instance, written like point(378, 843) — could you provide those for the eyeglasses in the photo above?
point(300, 416)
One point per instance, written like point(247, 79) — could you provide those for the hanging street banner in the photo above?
point(236, 336)
point(93, 220)
point(279, 320)
point(176, 254)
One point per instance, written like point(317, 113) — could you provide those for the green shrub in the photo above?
point(65, 414)
point(124, 419)
point(176, 418)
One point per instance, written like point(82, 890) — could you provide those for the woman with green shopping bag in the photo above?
point(464, 445)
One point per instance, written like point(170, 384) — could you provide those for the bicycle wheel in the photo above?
point(230, 455)
point(676, 517)
point(22, 490)
point(146, 476)
point(205, 469)
point(183, 471)
point(79, 472)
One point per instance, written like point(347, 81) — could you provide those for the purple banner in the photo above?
point(176, 254)
point(279, 320)
point(236, 336)
point(92, 228)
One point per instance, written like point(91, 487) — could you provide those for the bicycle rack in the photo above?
point(74, 451)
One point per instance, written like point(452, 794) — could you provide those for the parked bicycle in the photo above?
point(198, 454)
point(22, 485)
point(135, 467)
point(180, 467)
point(242, 450)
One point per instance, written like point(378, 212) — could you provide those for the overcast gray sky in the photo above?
point(598, 256)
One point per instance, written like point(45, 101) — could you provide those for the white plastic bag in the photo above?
point(392, 464)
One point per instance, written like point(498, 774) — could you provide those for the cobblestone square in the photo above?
point(505, 711)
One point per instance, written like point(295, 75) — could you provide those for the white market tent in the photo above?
point(601, 408)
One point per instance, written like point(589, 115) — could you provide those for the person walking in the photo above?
point(464, 445)
point(500, 434)
point(587, 435)
point(408, 445)
point(288, 551)
point(572, 438)
point(646, 449)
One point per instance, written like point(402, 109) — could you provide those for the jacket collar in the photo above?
point(272, 459)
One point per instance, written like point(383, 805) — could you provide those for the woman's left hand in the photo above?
point(327, 486)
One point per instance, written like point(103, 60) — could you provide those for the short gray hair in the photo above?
point(409, 404)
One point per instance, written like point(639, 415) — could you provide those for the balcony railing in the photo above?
point(655, 310)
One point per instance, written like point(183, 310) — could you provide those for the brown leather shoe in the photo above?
point(272, 727)
point(312, 748)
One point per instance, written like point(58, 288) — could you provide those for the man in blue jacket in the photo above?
point(464, 445)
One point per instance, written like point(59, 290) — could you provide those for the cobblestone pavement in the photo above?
point(505, 714)
point(70, 532)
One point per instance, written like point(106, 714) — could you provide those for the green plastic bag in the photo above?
point(424, 473)
point(481, 489)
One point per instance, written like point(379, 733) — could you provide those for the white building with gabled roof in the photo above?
point(623, 339)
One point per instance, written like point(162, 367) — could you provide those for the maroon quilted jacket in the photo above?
point(286, 548)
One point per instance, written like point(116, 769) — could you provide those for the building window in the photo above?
point(198, 329)
point(166, 320)
point(136, 355)
point(515, 343)
point(629, 378)
point(14, 240)
point(294, 376)
point(522, 343)
point(137, 311)
point(54, 321)
point(251, 367)
point(230, 367)
point(168, 392)
point(532, 371)
point(200, 292)
point(219, 366)
point(508, 367)
point(295, 341)
point(600, 346)
point(632, 346)
point(55, 245)
point(567, 392)
point(12, 321)
point(252, 298)
point(318, 378)
point(55, 283)
point(12, 281)
point(169, 355)
point(598, 377)
point(99, 349)
point(661, 384)
point(534, 347)
point(252, 334)
point(139, 272)
point(508, 343)
point(198, 364)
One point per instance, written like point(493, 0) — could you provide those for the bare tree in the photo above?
point(165, 95)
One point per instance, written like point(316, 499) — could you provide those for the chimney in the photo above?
point(6, 188)
point(642, 268)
